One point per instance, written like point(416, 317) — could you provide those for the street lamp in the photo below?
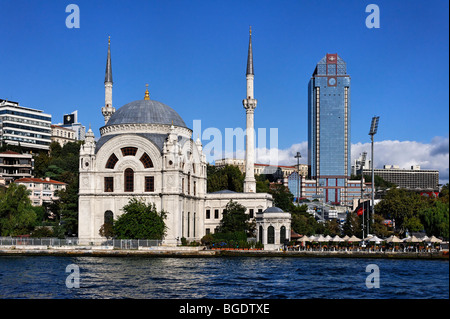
point(372, 132)
point(298, 177)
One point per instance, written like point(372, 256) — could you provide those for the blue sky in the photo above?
point(193, 56)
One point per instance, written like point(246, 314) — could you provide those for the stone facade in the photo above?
point(273, 227)
point(146, 151)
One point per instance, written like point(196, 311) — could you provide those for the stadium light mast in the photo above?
point(372, 132)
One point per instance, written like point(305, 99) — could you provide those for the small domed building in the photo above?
point(146, 151)
point(273, 228)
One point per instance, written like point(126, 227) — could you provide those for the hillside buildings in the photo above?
point(70, 121)
point(413, 178)
point(14, 165)
point(41, 190)
point(24, 126)
point(62, 135)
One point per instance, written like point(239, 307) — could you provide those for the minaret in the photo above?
point(108, 109)
point(250, 105)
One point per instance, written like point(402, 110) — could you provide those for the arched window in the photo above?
point(189, 184)
point(128, 151)
point(112, 160)
point(193, 230)
point(282, 234)
point(182, 224)
point(108, 218)
point(129, 180)
point(271, 235)
point(146, 161)
point(260, 234)
point(188, 223)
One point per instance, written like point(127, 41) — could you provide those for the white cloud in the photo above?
point(433, 155)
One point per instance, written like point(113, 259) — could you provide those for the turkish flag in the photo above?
point(360, 211)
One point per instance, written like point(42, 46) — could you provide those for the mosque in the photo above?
point(146, 151)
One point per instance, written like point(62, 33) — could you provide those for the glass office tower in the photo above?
point(329, 128)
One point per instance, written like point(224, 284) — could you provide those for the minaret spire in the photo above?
point(108, 109)
point(250, 105)
point(250, 55)
point(108, 72)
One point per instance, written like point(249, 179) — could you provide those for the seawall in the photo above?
point(181, 252)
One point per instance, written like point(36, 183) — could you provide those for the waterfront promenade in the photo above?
point(161, 251)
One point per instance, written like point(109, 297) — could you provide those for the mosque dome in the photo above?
point(273, 210)
point(146, 112)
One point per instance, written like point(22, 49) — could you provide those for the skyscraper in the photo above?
point(329, 127)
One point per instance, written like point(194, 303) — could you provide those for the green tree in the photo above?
point(332, 228)
point(53, 172)
point(353, 225)
point(378, 228)
point(444, 194)
point(41, 163)
point(17, 216)
point(402, 205)
point(380, 183)
point(262, 184)
point(282, 197)
point(303, 223)
point(236, 220)
point(55, 149)
point(436, 219)
point(228, 177)
point(66, 208)
point(140, 221)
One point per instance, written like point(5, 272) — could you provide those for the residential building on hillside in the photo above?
point(14, 165)
point(63, 135)
point(41, 190)
point(24, 126)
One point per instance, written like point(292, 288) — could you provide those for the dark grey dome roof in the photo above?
point(273, 210)
point(146, 112)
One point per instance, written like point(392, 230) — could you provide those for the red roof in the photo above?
point(295, 235)
point(38, 180)
point(257, 164)
point(10, 152)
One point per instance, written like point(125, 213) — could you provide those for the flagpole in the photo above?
point(363, 218)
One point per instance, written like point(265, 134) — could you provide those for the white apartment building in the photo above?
point(41, 190)
point(14, 165)
point(62, 135)
point(25, 126)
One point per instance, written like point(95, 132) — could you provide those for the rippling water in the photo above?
point(230, 278)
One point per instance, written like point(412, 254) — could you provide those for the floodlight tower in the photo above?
point(372, 132)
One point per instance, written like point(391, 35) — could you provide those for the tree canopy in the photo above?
point(414, 212)
point(221, 178)
point(61, 164)
point(140, 221)
point(235, 219)
point(17, 216)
